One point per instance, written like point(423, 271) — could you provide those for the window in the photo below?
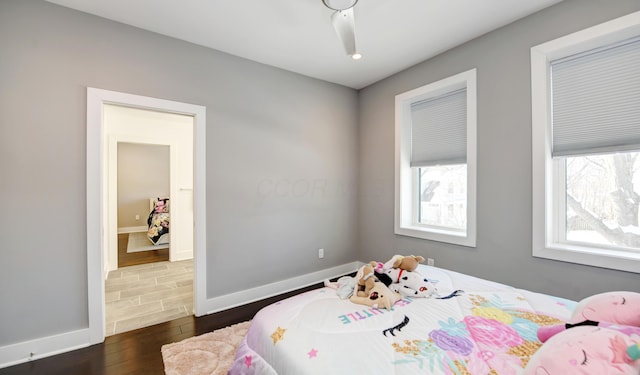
point(436, 161)
point(586, 146)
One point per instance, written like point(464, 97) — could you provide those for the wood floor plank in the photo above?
point(141, 257)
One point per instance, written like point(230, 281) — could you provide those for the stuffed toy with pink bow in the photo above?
point(601, 338)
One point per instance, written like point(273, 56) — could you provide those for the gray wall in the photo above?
point(503, 251)
point(288, 159)
point(264, 125)
point(143, 173)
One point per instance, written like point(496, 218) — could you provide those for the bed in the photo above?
point(158, 221)
point(488, 328)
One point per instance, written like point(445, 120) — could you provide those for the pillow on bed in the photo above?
point(588, 350)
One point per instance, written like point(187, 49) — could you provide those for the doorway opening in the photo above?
point(102, 144)
point(143, 203)
point(146, 288)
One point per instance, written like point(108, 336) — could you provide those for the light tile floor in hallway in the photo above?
point(147, 294)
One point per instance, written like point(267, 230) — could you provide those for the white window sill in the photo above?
point(605, 258)
point(457, 238)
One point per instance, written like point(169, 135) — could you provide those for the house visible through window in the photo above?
point(436, 161)
point(434, 196)
point(586, 146)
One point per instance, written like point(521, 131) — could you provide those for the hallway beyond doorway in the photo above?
point(126, 259)
point(147, 294)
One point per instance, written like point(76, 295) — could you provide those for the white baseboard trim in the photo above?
point(141, 228)
point(273, 289)
point(31, 350)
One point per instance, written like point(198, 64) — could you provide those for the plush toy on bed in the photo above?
point(344, 286)
point(366, 281)
point(379, 297)
point(407, 263)
point(586, 350)
point(601, 338)
point(401, 271)
point(620, 308)
point(410, 284)
point(371, 292)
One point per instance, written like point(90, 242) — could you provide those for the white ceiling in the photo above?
point(297, 35)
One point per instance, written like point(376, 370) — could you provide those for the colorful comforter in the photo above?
point(490, 328)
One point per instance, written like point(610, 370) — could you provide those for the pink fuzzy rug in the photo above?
point(208, 354)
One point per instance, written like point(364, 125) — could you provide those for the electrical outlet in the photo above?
point(137, 217)
point(431, 262)
point(320, 253)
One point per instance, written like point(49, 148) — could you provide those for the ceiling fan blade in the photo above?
point(344, 24)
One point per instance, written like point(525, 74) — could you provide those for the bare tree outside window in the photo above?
point(603, 198)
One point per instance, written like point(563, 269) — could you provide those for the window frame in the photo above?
point(406, 179)
point(548, 184)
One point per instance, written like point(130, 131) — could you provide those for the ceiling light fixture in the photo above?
point(339, 4)
point(344, 23)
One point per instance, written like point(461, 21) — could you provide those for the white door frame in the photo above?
point(96, 176)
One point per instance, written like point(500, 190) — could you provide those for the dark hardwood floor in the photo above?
point(131, 259)
point(138, 351)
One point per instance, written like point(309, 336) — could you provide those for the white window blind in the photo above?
point(596, 100)
point(439, 130)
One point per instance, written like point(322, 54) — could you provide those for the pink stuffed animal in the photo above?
point(601, 338)
point(614, 307)
point(585, 350)
point(602, 309)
